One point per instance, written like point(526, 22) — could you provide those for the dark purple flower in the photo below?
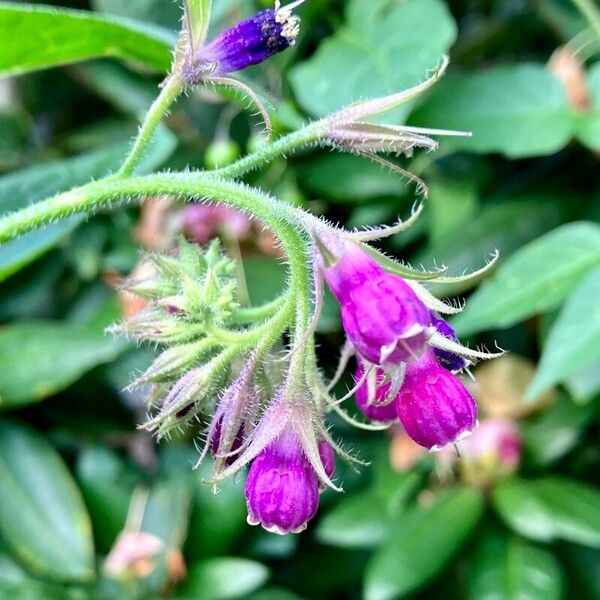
point(282, 488)
point(448, 360)
point(382, 316)
point(434, 406)
point(215, 442)
point(371, 393)
point(247, 43)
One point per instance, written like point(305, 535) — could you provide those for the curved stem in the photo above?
point(591, 12)
point(170, 91)
point(258, 313)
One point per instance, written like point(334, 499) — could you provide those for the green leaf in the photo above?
point(421, 542)
point(519, 110)
point(549, 509)
point(585, 563)
point(346, 179)
point(355, 522)
point(512, 569)
point(505, 226)
point(40, 358)
point(222, 579)
point(384, 47)
point(107, 487)
point(574, 340)
point(589, 122)
point(167, 14)
point(557, 430)
point(535, 280)
point(42, 516)
point(43, 37)
point(33, 184)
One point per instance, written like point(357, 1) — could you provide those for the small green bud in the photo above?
point(221, 153)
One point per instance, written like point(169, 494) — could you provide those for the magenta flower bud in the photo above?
point(496, 443)
point(448, 360)
point(372, 393)
point(215, 442)
point(203, 222)
point(382, 316)
point(434, 406)
point(282, 488)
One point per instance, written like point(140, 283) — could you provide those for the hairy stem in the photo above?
point(169, 92)
point(591, 12)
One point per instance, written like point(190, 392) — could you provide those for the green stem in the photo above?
point(591, 12)
point(258, 313)
point(269, 152)
point(169, 92)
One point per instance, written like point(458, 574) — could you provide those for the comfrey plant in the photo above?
point(249, 374)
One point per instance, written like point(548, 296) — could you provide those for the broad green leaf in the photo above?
point(421, 542)
point(383, 48)
point(33, 184)
point(519, 110)
point(167, 14)
point(511, 569)
point(43, 519)
point(222, 579)
point(505, 226)
point(589, 122)
point(574, 340)
point(107, 487)
point(355, 523)
point(40, 358)
point(534, 280)
point(557, 430)
point(43, 37)
point(549, 509)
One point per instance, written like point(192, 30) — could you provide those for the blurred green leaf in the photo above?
point(33, 184)
point(585, 563)
point(574, 340)
point(43, 37)
point(167, 14)
point(589, 122)
point(42, 516)
point(421, 542)
point(549, 509)
point(384, 47)
point(222, 579)
point(40, 358)
point(511, 569)
point(362, 521)
point(347, 179)
point(107, 487)
point(536, 279)
point(217, 520)
point(519, 110)
point(557, 430)
point(506, 227)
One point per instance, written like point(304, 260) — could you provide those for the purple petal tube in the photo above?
point(448, 360)
point(434, 406)
point(382, 316)
point(248, 43)
point(282, 489)
point(327, 457)
point(371, 407)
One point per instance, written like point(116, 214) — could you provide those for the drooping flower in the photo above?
point(434, 406)
point(202, 222)
point(382, 316)
point(247, 43)
point(449, 360)
point(282, 488)
point(372, 393)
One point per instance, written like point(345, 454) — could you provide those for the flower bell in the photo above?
point(282, 488)
point(449, 360)
point(247, 43)
point(381, 314)
point(434, 406)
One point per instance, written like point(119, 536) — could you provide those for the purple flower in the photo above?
point(382, 316)
point(372, 393)
point(449, 360)
point(327, 457)
point(282, 488)
point(215, 443)
point(434, 406)
point(247, 43)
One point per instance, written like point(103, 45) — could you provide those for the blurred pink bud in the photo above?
point(203, 222)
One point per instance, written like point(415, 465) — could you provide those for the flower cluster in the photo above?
point(263, 404)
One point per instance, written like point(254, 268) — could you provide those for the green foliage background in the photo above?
point(526, 183)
